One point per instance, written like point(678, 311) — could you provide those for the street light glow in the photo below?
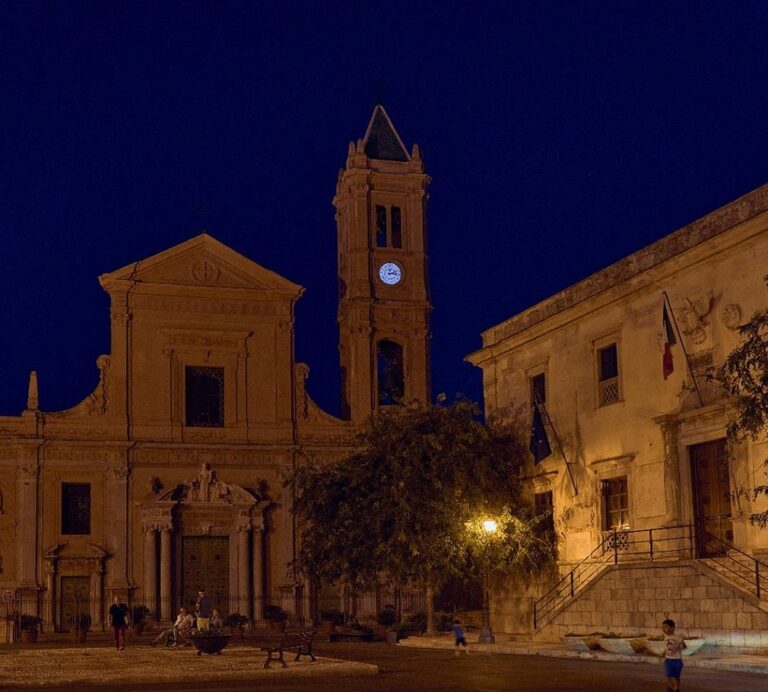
point(489, 526)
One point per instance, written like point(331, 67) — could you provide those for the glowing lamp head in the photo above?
point(489, 526)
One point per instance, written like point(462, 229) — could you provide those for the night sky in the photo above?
point(560, 137)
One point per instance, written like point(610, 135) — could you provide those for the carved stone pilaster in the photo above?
point(669, 432)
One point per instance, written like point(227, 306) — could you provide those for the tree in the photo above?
point(744, 377)
point(404, 504)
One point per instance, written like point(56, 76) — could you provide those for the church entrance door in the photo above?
point(205, 565)
point(711, 497)
point(75, 601)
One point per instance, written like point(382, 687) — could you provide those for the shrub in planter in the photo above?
point(275, 616)
point(236, 623)
point(138, 619)
point(615, 644)
point(387, 617)
point(29, 626)
point(330, 619)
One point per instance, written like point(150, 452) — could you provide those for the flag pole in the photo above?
point(682, 345)
point(543, 409)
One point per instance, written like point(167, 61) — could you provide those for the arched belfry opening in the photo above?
point(390, 373)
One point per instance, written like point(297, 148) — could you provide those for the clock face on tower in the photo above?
point(390, 273)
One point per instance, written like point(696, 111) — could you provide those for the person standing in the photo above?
point(203, 608)
point(119, 619)
point(673, 655)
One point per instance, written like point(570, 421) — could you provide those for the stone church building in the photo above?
point(169, 476)
point(635, 468)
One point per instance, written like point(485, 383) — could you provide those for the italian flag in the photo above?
point(668, 365)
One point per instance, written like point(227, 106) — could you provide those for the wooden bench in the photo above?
point(301, 642)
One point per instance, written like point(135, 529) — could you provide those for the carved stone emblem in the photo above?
point(693, 316)
point(730, 316)
point(205, 271)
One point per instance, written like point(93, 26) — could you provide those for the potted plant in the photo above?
point(138, 619)
point(236, 623)
point(81, 623)
point(387, 619)
point(29, 625)
point(276, 617)
point(209, 641)
point(330, 619)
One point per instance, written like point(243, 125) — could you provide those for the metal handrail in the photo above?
point(616, 546)
point(757, 571)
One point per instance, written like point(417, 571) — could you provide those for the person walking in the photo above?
point(458, 633)
point(119, 619)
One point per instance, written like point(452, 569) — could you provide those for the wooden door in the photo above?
point(711, 498)
point(75, 600)
point(205, 565)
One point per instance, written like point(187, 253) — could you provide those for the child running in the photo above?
point(458, 632)
point(673, 655)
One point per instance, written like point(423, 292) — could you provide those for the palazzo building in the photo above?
point(169, 476)
point(612, 370)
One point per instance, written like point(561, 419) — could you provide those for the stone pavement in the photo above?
point(97, 664)
point(719, 660)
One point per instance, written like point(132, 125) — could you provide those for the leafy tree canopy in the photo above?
point(744, 377)
point(405, 505)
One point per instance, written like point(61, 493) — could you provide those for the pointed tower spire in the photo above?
point(381, 140)
point(33, 401)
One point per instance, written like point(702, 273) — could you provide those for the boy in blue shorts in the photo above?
point(458, 633)
point(673, 655)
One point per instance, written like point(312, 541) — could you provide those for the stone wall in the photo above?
point(634, 599)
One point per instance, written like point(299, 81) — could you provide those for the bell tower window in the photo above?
point(389, 228)
point(204, 394)
point(389, 359)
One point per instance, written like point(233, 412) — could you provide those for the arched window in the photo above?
point(389, 360)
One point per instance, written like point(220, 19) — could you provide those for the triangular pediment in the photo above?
point(201, 262)
point(381, 140)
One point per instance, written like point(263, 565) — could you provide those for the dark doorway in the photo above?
point(205, 565)
point(75, 601)
point(711, 498)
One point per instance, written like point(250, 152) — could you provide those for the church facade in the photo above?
point(169, 476)
point(629, 434)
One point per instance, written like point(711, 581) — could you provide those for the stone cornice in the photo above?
point(688, 238)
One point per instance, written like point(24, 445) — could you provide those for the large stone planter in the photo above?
point(209, 644)
point(616, 646)
point(693, 645)
point(576, 642)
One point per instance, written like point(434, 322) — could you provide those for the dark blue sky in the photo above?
point(560, 136)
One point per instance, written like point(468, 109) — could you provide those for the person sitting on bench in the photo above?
point(180, 631)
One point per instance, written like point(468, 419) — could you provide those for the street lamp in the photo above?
point(486, 633)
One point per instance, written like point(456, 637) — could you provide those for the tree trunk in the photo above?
point(430, 609)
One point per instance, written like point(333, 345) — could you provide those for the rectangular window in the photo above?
point(543, 506)
point(204, 390)
point(76, 509)
point(615, 503)
point(538, 389)
point(397, 235)
point(608, 375)
point(381, 226)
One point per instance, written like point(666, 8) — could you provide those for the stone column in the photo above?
point(150, 570)
point(50, 595)
point(26, 537)
point(258, 572)
point(165, 574)
point(243, 533)
point(116, 525)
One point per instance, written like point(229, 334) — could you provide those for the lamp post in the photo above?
point(486, 633)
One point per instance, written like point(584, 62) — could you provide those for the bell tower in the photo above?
point(383, 296)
